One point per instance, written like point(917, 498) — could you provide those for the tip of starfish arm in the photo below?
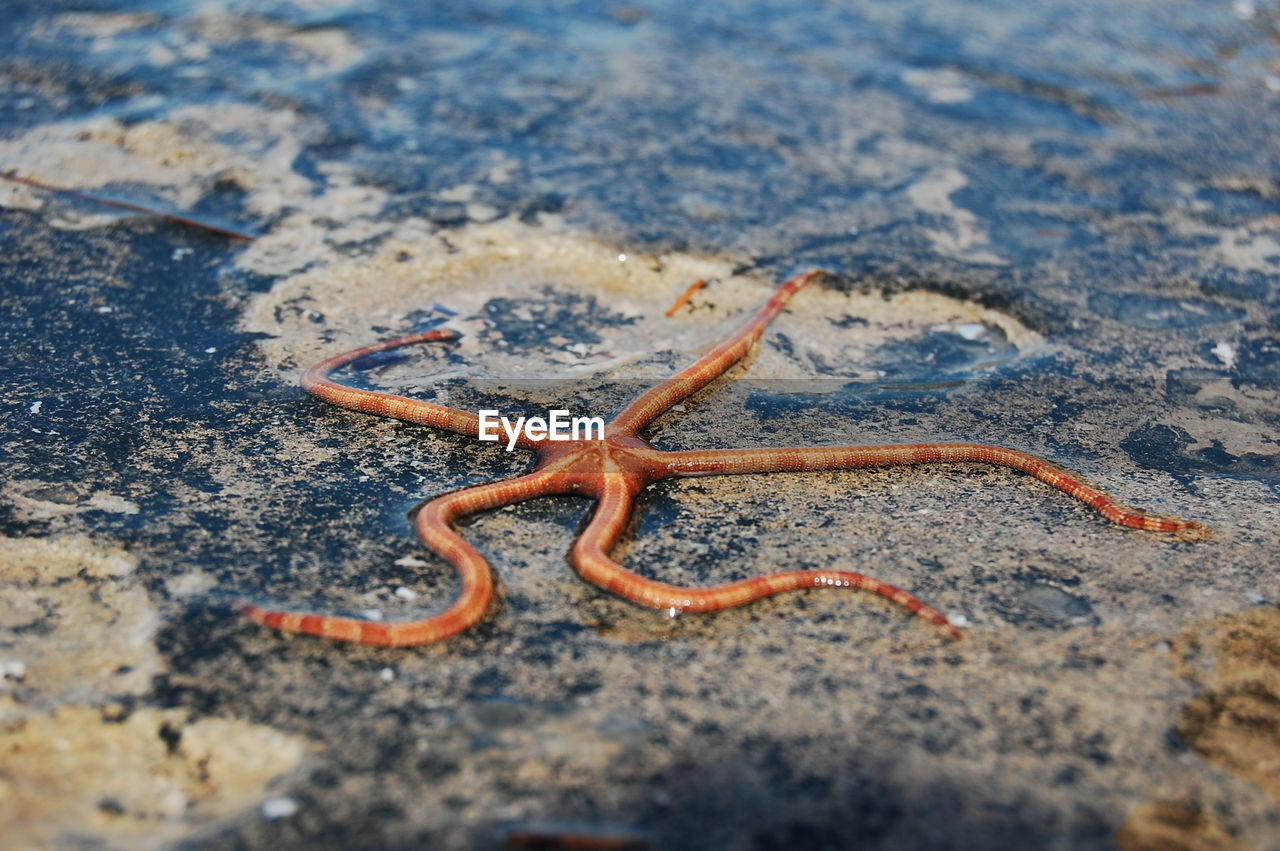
point(1193, 531)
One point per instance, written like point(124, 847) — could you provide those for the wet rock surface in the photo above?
point(1051, 228)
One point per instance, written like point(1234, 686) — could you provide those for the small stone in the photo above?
point(276, 808)
point(386, 675)
point(36, 406)
point(407, 561)
point(406, 593)
point(1054, 603)
point(972, 330)
point(12, 669)
point(956, 619)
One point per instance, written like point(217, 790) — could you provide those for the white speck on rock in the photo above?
point(386, 675)
point(482, 212)
point(36, 406)
point(12, 669)
point(274, 808)
point(957, 619)
point(372, 614)
point(406, 593)
point(972, 330)
point(409, 561)
point(1226, 353)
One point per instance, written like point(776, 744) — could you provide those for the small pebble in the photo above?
point(386, 675)
point(106, 308)
point(12, 669)
point(372, 614)
point(274, 808)
point(210, 350)
point(406, 593)
point(972, 330)
point(35, 407)
point(408, 561)
point(1226, 353)
point(958, 620)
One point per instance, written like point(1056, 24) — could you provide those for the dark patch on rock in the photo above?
point(525, 324)
point(1168, 447)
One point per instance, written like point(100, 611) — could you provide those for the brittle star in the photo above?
point(615, 469)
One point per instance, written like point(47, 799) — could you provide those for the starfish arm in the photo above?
point(316, 381)
point(593, 563)
point(651, 404)
point(734, 461)
point(435, 528)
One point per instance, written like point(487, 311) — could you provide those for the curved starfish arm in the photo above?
point(719, 462)
point(317, 382)
point(435, 528)
point(592, 561)
point(651, 404)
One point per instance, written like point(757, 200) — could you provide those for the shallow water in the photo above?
point(1054, 227)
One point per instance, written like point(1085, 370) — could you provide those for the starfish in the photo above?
point(614, 469)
